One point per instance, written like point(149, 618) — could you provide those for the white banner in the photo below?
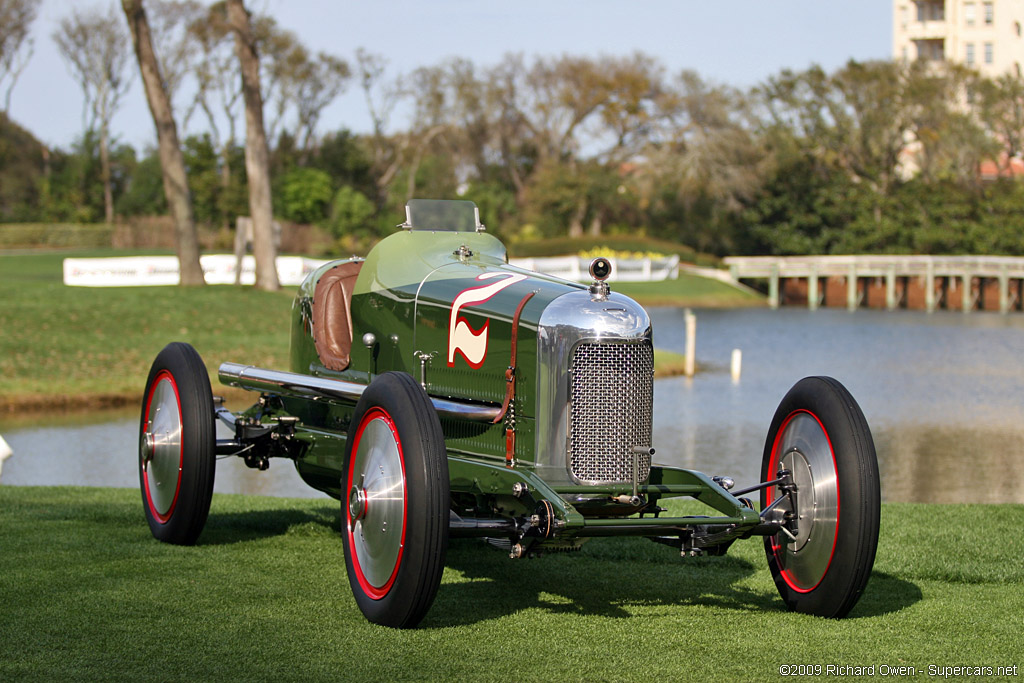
point(5, 452)
point(140, 271)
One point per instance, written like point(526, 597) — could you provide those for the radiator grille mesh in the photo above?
point(612, 397)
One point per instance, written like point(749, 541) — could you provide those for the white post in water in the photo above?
point(691, 342)
point(736, 365)
point(5, 452)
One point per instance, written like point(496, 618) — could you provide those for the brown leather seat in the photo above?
point(332, 315)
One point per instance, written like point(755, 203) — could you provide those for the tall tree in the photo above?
point(321, 81)
point(218, 91)
point(951, 139)
point(175, 45)
point(298, 85)
point(281, 56)
point(171, 161)
point(1000, 107)
point(386, 151)
point(95, 47)
point(16, 16)
point(257, 156)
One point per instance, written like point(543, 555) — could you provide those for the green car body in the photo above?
point(438, 391)
point(403, 296)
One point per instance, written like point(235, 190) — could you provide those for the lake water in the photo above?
point(942, 392)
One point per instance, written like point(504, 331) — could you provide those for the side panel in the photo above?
point(464, 315)
point(404, 297)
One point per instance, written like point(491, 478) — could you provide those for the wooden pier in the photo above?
point(963, 283)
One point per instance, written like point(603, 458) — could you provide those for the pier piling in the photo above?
point(903, 278)
point(851, 288)
point(691, 343)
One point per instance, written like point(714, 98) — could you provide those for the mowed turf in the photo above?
point(91, 346)
point(87, 594)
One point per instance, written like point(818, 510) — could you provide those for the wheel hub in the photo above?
point(796, 463)
point(148, 447)
point(356, 504)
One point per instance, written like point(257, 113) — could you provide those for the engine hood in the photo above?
point(459, 296)
point(464, 312)
point(460, 299)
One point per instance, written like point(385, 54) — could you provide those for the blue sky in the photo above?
point(738, 42)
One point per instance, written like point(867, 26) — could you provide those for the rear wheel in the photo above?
point(395, 509)
point(819, 435)
point(177, 452)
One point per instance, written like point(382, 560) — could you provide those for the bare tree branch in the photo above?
point(95, 48)
point(16, 46)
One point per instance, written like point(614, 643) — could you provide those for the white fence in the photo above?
point(136, 271)
point(219, 269)
point(623, 270)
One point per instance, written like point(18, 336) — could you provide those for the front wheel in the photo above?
point(395, 504)
point(177, 445)
point(822, 561)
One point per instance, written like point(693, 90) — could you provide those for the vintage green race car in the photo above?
point(439, 392)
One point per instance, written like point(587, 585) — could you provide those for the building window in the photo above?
point(970, 54)
point(988, 53)
point(932, 50)
point(931, 10)
point(969, 13)
point(988, 14)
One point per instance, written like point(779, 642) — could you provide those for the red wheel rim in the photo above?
point(376, 464)
point(782, 556)
point(162, 376)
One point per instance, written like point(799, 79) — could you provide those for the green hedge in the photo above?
point(563, 246)
point(70, 235)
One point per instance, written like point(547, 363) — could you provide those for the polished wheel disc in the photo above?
point(161, 446)
point(822, 557)
point(803, 448)
point(395, 501)
point(377, 503)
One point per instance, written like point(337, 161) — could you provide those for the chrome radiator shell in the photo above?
point(585, 392)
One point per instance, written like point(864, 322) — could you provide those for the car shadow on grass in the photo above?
point(885, 594)
point(224, 528)
point(616, 579)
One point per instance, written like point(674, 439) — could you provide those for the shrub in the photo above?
point(305, 195)
point(350, 212)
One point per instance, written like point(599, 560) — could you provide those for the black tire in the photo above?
point(819, 433)
point(395, 444)
point(177, 447)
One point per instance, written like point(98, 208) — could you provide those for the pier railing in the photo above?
point(938, 275)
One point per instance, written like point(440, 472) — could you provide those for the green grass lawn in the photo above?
point(689, 290)
point(86, 593)
point(92, 347)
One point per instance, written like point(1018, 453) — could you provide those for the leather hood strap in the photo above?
point(510, 384)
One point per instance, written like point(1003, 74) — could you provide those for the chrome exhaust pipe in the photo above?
point(294, 385)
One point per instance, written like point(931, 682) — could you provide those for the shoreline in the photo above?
point(33, 405)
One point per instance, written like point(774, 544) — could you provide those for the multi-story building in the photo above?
point(983, 34)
